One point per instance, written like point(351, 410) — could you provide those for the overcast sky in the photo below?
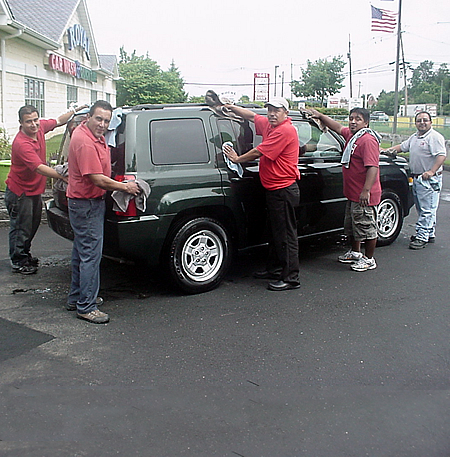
point(221, 44)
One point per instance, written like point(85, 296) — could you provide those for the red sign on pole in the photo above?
point(261, 82)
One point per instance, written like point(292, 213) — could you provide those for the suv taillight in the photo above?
point(131, 210)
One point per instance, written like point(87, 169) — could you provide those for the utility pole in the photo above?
point(275, 89)
point(397, 66)
point(349, 56)
point(404, 77)
point(282, 83)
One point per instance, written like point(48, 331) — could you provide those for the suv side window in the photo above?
point(240, 134)
point(316, 142)
point(178, 141)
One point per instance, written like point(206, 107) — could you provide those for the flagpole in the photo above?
point(397, 66)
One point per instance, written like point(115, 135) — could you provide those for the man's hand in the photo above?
point(364, 198)
point(230, 153)
point(313, 113)
point(132, 188)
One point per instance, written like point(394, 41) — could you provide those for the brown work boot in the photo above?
point(96, 317)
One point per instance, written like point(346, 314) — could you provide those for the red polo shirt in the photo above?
point(88, 155)
point(26, 155)
point(278, 165)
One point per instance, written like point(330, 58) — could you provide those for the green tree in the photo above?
point(197, 99)
point(428, 85)
point(386, 102)
point(143, 81)
point(320, 79)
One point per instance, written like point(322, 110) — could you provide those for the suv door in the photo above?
point(322, 201)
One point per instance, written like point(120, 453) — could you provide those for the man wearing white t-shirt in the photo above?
point(427, 154)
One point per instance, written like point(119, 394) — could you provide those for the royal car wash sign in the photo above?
point(70, 67)
point(77, 37)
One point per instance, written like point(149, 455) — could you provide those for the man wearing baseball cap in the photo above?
point(278, 171)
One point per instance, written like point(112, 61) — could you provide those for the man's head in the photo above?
point(29, 120)
point(277, 110)
point(99, 118)
point(423, 122)
point(358, 119)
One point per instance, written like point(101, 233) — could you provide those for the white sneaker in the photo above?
point(364, 264)
point(350, 257)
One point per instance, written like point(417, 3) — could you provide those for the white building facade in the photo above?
point(48, 58)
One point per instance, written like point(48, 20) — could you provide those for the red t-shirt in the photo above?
point(366, 153)
point(278, 165)
point(88, 155)
point(26, 155)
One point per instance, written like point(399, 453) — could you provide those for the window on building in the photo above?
point(34, 94)
point(108, 98)
point(72, 95)
point(93, 96)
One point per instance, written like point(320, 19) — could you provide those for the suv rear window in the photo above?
point(178, 141)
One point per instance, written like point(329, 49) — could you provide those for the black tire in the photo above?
point(389, 218)
point(199, 255)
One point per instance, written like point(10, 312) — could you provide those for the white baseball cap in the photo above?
point(278, 102)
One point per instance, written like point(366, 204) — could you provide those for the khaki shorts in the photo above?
point(360, 222)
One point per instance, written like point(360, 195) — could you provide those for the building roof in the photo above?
point(42, 16)
point(50, 22)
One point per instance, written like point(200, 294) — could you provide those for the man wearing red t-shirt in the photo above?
point(362, 186)
point(278, 171)
point(89, 179)
point(25, 184)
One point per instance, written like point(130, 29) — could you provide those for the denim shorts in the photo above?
point(360, 222)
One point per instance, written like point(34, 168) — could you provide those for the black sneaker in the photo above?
point(417, 244)
point(26, 269)
point(431, 239)
point(281, 285)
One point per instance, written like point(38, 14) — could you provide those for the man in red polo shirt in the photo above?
point(279, 173)
point(25, 184)
point(89, 179)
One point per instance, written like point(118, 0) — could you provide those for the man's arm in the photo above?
point(371, 177)
point(242, 112)
point(440, 159)
point(392, 150)
point(330, 123)
point(247, 157)
point(106, 183)
point(50, 172)
point(63, 118)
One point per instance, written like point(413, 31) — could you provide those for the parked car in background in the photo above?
point(379, 116)
point(200, 211)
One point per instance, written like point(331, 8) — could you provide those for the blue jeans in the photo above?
point(24, 216)
point(426, 194)
point(87, 219)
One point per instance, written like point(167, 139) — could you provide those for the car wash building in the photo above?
point(48, 58)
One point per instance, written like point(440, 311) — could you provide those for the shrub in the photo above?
point(5, 145)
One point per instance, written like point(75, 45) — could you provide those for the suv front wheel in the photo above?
point(199, 255)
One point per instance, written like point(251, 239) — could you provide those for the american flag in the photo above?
point(383, 20)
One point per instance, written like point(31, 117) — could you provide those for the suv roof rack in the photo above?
point(149, 106)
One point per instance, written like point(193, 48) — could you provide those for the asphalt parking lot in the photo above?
point(351, 364)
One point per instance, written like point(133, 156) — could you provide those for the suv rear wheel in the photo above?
point(199, 255)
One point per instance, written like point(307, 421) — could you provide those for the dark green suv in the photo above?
point(200, 211)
